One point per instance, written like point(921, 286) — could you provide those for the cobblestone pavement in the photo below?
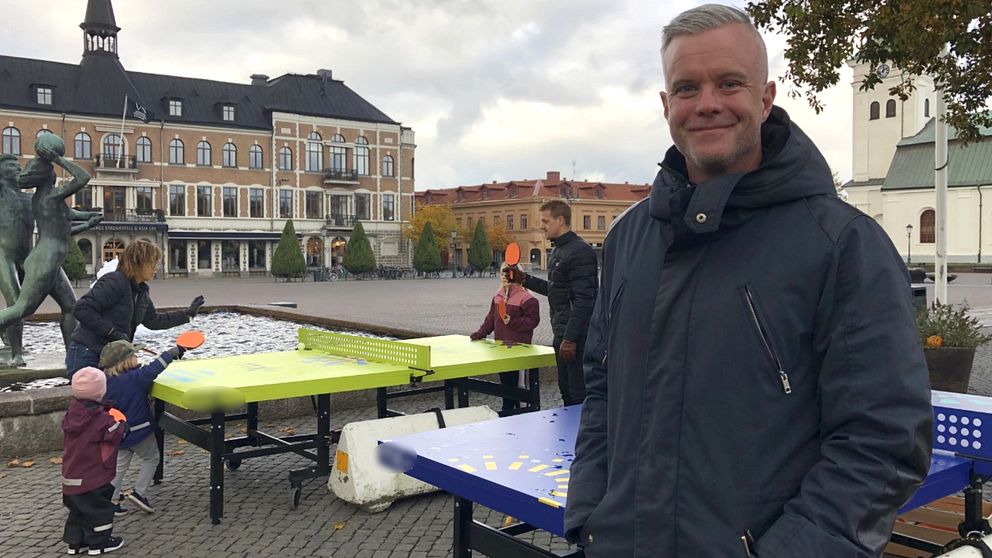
point(257, 519)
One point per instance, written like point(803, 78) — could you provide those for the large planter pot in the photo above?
point(950, 367)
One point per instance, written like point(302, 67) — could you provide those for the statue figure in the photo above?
point(43, 265)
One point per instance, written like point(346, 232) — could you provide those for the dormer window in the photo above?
point(44, 95)
point(227, 112)
point(175, 107)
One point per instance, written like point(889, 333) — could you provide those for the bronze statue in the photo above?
point(43, 265)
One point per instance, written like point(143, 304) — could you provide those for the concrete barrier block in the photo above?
point(31, 434)
point(358, 477)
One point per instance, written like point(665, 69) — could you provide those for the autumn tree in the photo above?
point(499, 238)
point(480, 254)
point(910, 34)
point(441, 218)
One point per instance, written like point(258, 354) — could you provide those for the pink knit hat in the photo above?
point(89, 383)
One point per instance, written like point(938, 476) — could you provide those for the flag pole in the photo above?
point(120, 154)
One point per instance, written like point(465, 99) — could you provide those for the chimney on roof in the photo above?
point(325, 75)
point(259, 79)
point(554, 176)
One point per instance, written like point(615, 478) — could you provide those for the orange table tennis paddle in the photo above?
point(117, 414)
point(501, 309)
point(190, 339)
point(512, 256)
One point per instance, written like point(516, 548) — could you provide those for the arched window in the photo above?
point(255, 157)
point(112, 147)
point(926, 108)
point(112, 249)
point(83, 146)
point(144, 148)
point(873, 110)
point(361, 156)
point(890, 108)
point(177, 152)
point(387, 166)
point(230, 155)
point(286, 159)
point(86, 247)
point(338, 154)
point(315, 153)
point(928, 227)
point(203, 154)
point(11, 141)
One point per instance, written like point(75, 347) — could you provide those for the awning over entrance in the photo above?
point(226, 235)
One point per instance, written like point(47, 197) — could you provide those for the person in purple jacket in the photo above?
point(127, 389)
point(93, 431)
point(513, 315)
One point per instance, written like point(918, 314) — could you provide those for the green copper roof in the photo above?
point(913, 164)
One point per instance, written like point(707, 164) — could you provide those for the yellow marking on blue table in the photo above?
point(559, 493)
point(523, 457)
point(487, 457)
point(490, 465)
point(537, 468)
point(549, 502)
point(467, 468)
point(557, 460)
point(557, 473)
point(515, 465)
point(453, 460)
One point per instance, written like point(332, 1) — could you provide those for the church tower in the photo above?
point(881, 120)
point(99, 29)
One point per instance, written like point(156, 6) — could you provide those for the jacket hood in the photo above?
point(80, 415)
point(791, 168)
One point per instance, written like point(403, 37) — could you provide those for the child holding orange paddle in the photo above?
point(513, 315)
point(128, 385)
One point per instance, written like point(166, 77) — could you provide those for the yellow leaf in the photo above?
point(177, 452)
point(55, 460)
point(27, 464)
point(339, 525)
point(182, 442)
point(14, 463)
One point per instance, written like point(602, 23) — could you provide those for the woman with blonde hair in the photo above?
point(117, 303)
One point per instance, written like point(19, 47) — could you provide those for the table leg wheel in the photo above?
point(215, 521)
point(295, 495)
point(232, 464)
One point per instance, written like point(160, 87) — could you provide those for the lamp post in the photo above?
point(454, 235)
point(909, 244)
point(323, 246)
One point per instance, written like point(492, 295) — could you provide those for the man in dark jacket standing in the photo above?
point(755, 382)
point(571, 292)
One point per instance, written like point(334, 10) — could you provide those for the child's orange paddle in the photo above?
point(512, 256)
point(190, 339)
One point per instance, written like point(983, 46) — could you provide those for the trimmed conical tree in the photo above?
point(74, 264)
point(358, 257)
point(427, 256)
point(480, 255)
point(288, 260)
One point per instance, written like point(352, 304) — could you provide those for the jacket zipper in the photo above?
point(783, 377)
point(609, 311)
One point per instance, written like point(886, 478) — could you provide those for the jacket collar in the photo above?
point(564, 239)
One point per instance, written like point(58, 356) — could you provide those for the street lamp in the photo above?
point(323, 245)
point(454, 236)
point(909, 244)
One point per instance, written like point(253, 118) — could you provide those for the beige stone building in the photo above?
point(515, 205)
point(211, 171)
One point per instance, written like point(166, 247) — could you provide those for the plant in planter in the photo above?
point(949, 337)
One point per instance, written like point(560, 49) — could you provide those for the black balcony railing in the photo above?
point(132, 215)
point(110, 161)
point(340, 220)
point(341, 174)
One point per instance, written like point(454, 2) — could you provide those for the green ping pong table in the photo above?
point(325, 363)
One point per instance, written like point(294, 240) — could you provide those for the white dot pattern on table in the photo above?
point(949, 433)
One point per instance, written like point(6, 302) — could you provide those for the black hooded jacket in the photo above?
point(752, 365)
point(570, 288)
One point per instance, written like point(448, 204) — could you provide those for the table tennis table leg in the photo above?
point(534, 385)
point(252, 419)
point(160, 441)
point(217, 450)
point(324, 434)
point(461, 541)
point(381, 402)
point(974, 522)
point(449, 394)
point(462, 395)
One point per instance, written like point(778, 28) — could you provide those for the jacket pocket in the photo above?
point(754, 313)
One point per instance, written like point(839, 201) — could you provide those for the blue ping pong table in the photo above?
point(520, 466)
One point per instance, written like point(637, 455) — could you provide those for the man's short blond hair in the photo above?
point(708, 17)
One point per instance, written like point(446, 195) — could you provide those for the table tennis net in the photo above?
point(369, 348)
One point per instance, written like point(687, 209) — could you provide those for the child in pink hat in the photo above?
point(93, 430)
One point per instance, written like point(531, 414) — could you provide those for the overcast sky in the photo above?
point(495, 90)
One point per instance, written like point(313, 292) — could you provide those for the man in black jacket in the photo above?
point(755, 382)
point(571, 291)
